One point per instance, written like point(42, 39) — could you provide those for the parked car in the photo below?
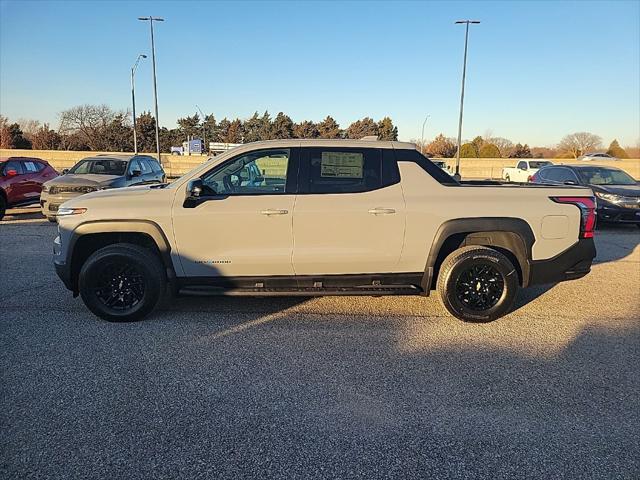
point(101, 172)
point(524, 170)
point(617, 193)
point(442, 165)
point(589, 157)
point(367, 218)
point(21, 180)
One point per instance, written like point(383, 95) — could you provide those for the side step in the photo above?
point(367, 290)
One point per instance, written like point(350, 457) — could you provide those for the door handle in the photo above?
point(271, 211)
point(382, 211)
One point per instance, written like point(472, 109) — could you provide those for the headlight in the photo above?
point(63, 211)
point(609, 197)
point(45, 188)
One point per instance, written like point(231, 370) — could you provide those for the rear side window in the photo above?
point(427, 165)
point(155, 166)
point(30, 166)
point(13, 165)
point(340, 170)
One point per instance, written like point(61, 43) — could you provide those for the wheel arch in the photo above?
point(91, 236)
point(512, 237)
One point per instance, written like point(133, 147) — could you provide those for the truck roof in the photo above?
point(325, 142)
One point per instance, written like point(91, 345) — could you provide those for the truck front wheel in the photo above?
point(121, 283)
point(477, 284)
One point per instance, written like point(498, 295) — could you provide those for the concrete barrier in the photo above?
point(176, 165)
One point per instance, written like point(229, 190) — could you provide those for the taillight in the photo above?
point(587, 206)
point(530, 178)
point(534, 178)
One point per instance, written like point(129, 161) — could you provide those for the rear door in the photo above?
point(16, 186)
point(32, 185)
point(349, 216)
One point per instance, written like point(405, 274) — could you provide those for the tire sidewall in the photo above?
point(90, 272)
point(504, 304)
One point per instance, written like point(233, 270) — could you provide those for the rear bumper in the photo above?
point(575, 262)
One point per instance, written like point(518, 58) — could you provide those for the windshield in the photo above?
point(605, 176)
point(100, 167)
point(538, 164)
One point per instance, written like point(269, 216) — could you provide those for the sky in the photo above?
point(536, 70)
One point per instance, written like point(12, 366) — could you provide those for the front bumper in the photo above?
point(574, 262)
point(51, 203)
point(611, 213)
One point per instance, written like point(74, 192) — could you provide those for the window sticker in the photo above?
point(342, 164)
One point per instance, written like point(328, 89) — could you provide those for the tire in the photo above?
point(491, 284)
point(52, 219)
point(122, 283)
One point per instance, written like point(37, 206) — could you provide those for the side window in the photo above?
point(566, 175)
point(13, 165)
point(40, 166)
point(30, 166)
point(522, 165)
point(260, 172)
point(341, 170)
point(145, 167)
point(134, 165)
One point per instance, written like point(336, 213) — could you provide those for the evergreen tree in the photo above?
point(305, 129)
point(489, 150)
point(468, 150)
point(329, 128)
point(521, 151)
point(12, 137)
point(362, 128)
point(441, 147)
point(265, 132)
point(615, 150)
point(282, 127)
point(251, 128)
point(386, 130)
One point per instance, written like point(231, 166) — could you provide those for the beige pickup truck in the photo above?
point(322, 217)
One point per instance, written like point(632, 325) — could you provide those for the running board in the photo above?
point(368, 290)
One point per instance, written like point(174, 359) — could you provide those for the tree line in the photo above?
point(99, 128)
point(571, 146)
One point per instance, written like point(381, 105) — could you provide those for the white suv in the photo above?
point(322, 217)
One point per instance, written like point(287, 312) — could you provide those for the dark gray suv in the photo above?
point(99, 173)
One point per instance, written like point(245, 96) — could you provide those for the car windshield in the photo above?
point(106, 166)
point(538, 164)
point(605, 176)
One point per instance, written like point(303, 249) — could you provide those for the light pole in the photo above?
point(204, 129)
point(422, 138)
point(151, 19)
point(464, 74)
point(133, 102)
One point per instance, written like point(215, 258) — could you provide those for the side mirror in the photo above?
point(11, 173)
point(136, 173)
point(194, 188)
point(65, 171)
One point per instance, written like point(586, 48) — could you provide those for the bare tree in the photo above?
point(88, 122)
point(505, 146)
point(579, 143)
point(29, 127)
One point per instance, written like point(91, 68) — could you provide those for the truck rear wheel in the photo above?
point(121, 283)
point(477, 284)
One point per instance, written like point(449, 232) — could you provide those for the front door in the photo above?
point(349, 216)
point(242, 224)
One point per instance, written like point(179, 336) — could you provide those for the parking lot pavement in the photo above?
point(342, 387)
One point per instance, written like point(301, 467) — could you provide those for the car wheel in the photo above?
point(3, 207)
point(477, 284)
point(122, 283)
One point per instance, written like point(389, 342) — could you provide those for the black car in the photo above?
point(617, 193)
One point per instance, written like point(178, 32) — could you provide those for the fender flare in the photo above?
point(512, 234)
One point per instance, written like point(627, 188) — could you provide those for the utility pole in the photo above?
point(204, 130)
point(133, 102)
point(151, 19)
point(464, 74)
point(422, 137)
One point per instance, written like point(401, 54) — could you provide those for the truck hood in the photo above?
point(624, 190)
point(82, 180)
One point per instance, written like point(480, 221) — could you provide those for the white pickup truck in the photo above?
point(523, 171)
point(322, 217)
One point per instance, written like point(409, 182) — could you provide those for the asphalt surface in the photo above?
point(343, 387)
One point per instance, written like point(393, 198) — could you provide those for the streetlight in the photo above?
point(422, 138)
point(464, 74)
point(133, 102)
point(151, 19)
point(204, 129)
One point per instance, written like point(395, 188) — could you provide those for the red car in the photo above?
point(21, 180)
